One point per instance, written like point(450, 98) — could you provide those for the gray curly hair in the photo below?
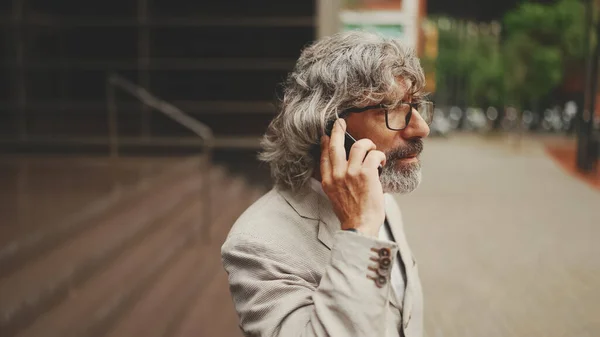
point(350, 69)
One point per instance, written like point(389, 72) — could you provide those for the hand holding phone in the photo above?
point(348, 141)
point(351, 181)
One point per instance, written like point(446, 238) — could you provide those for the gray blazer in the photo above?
point(293, 272)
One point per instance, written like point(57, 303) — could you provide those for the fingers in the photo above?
point(337, 153)
point(358, 153)
point(373, 160)
point(363, 156)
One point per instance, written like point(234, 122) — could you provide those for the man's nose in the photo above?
point(416, 128)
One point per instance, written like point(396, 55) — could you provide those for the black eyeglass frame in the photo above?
point(382, 106)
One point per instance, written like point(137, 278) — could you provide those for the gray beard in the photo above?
point(403, 179)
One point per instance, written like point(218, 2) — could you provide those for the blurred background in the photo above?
point(128, 140)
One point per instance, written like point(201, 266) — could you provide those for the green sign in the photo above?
point(395, 31)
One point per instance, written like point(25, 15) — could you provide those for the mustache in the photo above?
point(413, 147)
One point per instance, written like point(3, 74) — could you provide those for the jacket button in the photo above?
point(385, 262)
point(383, 271)
point(380, 281)
point(384, 252)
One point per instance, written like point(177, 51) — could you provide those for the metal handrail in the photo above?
point(200, 129)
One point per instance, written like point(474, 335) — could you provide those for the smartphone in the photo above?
point(348, 141)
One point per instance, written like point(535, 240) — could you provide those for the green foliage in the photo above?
point(486, 80)
point(538, 45)
point(532, 70)
point(560, 25)
point(541, 41)
point(472, 61)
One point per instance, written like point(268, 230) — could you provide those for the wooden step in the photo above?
point(37, 195)
point(45, 281)
point(167, 295)
point(94, 306)
point(212, 313)
point(37, 241)
point(170, 298)
point(167, 311)
point(88, 307)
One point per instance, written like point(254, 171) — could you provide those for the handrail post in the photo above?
point(113, 134)
point(207, 228)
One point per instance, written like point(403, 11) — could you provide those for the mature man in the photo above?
point(324, 252)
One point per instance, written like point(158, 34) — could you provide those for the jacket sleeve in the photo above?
point(277, 295)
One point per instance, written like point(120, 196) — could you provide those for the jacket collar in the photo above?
point(311, 204)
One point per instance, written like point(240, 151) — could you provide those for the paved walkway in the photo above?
point(507, 242)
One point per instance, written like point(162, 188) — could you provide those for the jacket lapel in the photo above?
point(328, 222)
point(310, 204)
point(395, 220)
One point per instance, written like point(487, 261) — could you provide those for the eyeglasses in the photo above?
point(398, 117)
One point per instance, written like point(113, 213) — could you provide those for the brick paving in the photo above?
point(566, 156)
point(506, 241)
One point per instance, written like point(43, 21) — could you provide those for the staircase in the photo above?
point(140, 261)
point(145, 264)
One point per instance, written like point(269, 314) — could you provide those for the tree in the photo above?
point(532, 70)
point(541, 43)
point(469, 67)
point(486, 73)
point(559, 25)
